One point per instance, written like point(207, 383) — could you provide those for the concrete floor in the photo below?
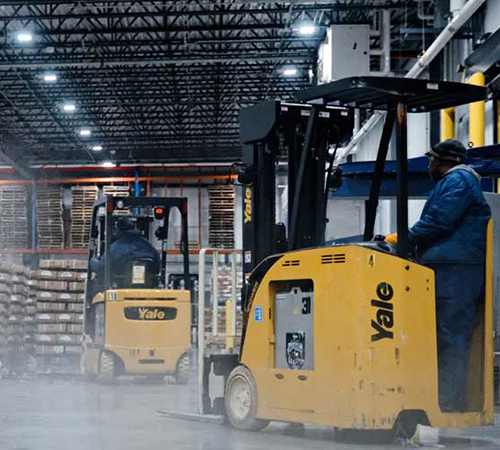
point(59, 414)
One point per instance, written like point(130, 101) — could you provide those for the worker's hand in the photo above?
point(392, 238)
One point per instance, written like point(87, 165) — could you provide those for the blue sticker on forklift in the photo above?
point(258, 314)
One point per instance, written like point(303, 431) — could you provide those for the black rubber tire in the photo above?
point(183, 369)
point(107, 367)
point(241, 389)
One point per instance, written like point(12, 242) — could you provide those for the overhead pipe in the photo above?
point(385, 37)
point(423, 62)
point(477, 114)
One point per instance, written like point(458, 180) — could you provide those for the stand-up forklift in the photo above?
point(341, 335)
point(134, 324)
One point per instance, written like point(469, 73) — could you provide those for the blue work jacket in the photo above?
point(452, 227)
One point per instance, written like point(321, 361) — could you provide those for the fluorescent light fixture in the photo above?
point(290, 72)
point(108, 164)
point(50, 77)
point(24, 36)
point(307, 30)
point(97, 148)
point(85, 132)
point(69, 107)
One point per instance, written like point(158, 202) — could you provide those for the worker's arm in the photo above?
point(441, 219)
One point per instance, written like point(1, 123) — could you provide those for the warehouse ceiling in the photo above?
point(160, 81)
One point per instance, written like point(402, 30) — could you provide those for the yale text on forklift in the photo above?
point(384, 314)
point(248, 205)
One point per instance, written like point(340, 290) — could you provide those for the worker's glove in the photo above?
point(392, 239)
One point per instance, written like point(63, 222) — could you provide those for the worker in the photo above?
point(128, 246)
point(450, 238)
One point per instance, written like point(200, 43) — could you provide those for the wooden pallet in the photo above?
point(221, 200)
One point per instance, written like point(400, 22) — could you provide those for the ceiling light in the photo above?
point(85, 132)
point(24, 36)
point(108, 164)
point(290, 72)
point(97, 148)
point(307, 30)
point(69, 107)
point(50, 77)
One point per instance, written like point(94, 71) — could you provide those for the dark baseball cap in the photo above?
point(449, 150)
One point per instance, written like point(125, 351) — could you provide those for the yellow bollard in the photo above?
point(447, 124)
point(229, 323)
point(476, 114)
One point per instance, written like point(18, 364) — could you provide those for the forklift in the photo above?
point(134, 324)
point(342, 335)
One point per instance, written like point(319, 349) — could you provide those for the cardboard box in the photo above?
point(46, 317)
point(46, 275)
point(68, 276)
point(76, 328)
point(16, 309)
point(46, 338)
point(73, 349)
point(82, 276)
point(68, 296)
point(45, 285)
point(63, 264)
point(69, 339)
point(13, 318)
point(30, 301)
point(18, 279)
point(76, 286)
point(30, 309)
point(75, 307)
point(15, 298)
point(43, 349)
point(66, 317)
point(45, 295)
point(5, 277)
point(51, 328)
point(51, 306)
point(29, 319)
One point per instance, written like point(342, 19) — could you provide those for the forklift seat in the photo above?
point(136, 274)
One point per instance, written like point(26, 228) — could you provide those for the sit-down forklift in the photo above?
point(341, 335)
point(134, 324)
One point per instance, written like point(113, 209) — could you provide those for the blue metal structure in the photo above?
point(357, 177)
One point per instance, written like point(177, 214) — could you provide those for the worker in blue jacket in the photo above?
point(127, 246)
point(450, 238)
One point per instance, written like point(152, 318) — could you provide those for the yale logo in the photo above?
point(151, 314)
point(148, 313)
point(384, 315)
point(248, 204)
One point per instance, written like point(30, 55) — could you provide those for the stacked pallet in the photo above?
point(49, 208)
point(118, 191)
point(5, 280)
point(221, 216)
point(81, 214)
point(14, 217)
point(30, 310)
point(225, 288)
point(60, 300)
point(18, 294)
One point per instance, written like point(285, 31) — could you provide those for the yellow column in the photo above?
point(476, 116)
point(229, 322)
point(447, 124)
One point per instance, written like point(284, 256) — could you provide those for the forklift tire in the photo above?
point(241, 401)
point(182, 371)
point(107, 367)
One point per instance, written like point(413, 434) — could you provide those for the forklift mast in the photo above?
point(296, 139)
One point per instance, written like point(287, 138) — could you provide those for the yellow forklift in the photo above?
point(345, 334)
point(134, 324)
